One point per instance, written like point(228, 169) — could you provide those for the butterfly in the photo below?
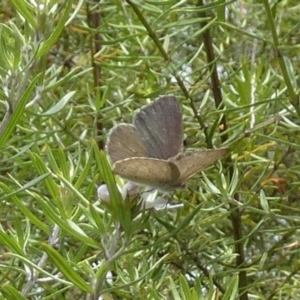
point(149, 151)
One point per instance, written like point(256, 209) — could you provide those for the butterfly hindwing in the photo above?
point(191, 163)
point(148, 171)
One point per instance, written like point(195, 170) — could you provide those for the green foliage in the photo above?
point(70, 70)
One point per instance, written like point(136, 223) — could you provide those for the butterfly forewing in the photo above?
point(148, 171)
point(124, 142)
point(159, 124)
point(191, 163)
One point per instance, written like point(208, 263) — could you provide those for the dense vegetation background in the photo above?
point(70, 70)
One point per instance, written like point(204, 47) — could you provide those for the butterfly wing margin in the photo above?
point(191, 163)
point(124, 142)
point(156, 173)
point(160, 126)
